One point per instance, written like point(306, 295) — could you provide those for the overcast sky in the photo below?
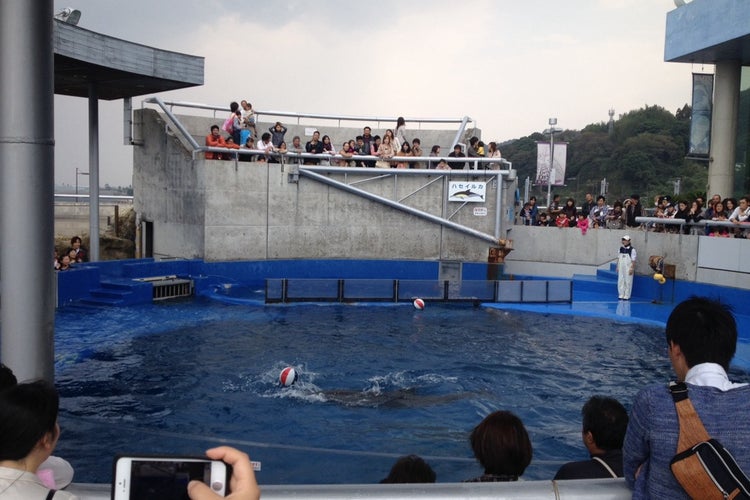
point(508, 64)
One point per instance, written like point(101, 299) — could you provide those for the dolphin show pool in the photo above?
point(375, 382)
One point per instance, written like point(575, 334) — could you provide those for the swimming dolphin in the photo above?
point(400, 398)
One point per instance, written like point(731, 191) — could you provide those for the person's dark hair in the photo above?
point(7, 378)
point(75, 239)
point(27, 412)
point(705, 330)
point(233, 106)
point(607, 420)
point(400, 121)
point(600, 197)
point(532, 198)
point(571, 202)
point(265, 137)
point(473, 140)
point(416, 140)
point(214, 127)
point(618, 203)
point(410, 469)
point(501, 444)
point(435, 149)
point(358, 138)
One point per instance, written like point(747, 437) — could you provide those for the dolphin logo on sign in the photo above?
point(467, 194)
point(467, 191)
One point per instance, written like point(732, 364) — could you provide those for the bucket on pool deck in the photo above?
point(288, 376)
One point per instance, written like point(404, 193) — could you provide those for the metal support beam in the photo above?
point(27, 178)
point(404, 208)
point(93, 172)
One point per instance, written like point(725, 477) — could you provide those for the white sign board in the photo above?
point(480, 211)
point(467, 191)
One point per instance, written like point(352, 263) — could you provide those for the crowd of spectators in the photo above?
point(392, 149)
point(596, 214)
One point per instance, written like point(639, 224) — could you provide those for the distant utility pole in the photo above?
point(611, 121)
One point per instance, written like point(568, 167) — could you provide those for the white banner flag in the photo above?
point(542, 164)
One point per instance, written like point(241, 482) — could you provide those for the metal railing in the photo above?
point(314, 116)
point(475, 163)
point(168, 106)
point(101, 197)
point(681, 223)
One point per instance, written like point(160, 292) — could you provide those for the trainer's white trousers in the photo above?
point(624, 278)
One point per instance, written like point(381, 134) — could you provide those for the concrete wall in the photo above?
point(168, 189)
point(227, 210)
point(254, 212)
point(551, 251)
point(73, 218)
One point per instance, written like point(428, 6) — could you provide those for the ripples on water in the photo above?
point(375, 383)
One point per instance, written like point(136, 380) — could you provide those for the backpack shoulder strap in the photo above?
point(606, 466)
point(50, 494)
point(691, 427)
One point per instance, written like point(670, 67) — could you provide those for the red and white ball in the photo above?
point(418, 304)
point(288, 376)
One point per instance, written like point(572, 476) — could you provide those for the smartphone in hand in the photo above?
point(165, 477)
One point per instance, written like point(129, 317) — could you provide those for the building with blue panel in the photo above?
point(717, 32)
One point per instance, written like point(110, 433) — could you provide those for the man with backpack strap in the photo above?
point(701, 339)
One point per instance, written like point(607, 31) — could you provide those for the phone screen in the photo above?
point(164, 479)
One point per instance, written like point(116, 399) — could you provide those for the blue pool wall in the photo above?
point(78, 284)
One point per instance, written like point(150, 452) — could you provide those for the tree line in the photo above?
point(645, 152)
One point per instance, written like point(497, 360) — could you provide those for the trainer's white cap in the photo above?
point(626, 237)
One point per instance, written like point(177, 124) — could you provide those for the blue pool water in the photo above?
point(376, 382)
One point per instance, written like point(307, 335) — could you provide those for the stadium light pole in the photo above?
point(551, 177)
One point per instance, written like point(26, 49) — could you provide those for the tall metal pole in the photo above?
point(551, 177)
point(93, 172)
point(27, 174)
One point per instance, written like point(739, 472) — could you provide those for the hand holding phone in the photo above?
point(165, 477)
point(242, 483)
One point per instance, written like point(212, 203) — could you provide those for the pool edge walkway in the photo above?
point(598, 305)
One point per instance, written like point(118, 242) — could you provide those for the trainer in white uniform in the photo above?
point(625, 268)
